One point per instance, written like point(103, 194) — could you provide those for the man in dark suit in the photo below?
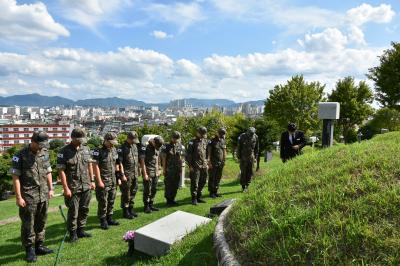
point(292, 142)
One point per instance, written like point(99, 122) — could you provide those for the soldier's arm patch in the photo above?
point(15, 159)
point(95, 153)
point(60, 155)
point(15, 172)
point(61, 166)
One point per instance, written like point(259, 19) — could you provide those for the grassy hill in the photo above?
point(339, 206)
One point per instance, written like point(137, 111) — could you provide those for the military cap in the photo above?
point(202, 130)
point(176, 135)
point(158, 141)
point(222, 131)
point(133, 136)
point(41, 138)
point(111, 137)
point(252, 130)
point(292, 127)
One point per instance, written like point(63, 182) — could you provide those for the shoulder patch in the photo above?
point(119, 150)
point(143, 148)
point(15, 159)
point(190, 142)
point(95, 153)
point(60, 155)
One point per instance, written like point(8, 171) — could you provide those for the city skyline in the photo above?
point(155, 51)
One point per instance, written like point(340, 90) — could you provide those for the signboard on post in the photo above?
point(328, 111)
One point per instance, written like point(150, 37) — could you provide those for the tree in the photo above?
point(384, 118)
point(95, 142)
point(296, 101)
point(354, 102)
point(387, 78)
point(240, 125)
point(267, 132)
point(56, 144)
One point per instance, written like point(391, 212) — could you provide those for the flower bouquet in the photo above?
point(130, 238)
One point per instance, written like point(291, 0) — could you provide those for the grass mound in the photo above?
point(333, 207)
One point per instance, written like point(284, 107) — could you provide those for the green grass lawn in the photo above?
point(107, 247)
point(338, 206)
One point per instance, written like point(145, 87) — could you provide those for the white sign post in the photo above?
point(328, 111)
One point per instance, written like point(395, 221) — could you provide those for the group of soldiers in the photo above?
point(111, 166)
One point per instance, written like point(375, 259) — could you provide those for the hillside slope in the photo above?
point(338, 206)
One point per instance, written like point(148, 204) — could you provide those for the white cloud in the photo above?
point(356, 35)
point(158, 34)
point(330, 39)
point(28, 23)
point(296, 19)
point(181, 14)
point(152, 76)
point(22, 82)
point(300, 19)
point(184, 67)
point(367, 13)
point(90, 13)
point(56, 84)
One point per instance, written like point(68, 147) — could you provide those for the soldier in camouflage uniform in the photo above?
point(247, 154)
point(171, 155)
point(129, 162)
point(216, 161)
point(75, 170)
point(32, 180)
point(149, 163)
point(196, 158)
point(105, 166)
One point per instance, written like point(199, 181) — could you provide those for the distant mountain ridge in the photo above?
point(49, 101)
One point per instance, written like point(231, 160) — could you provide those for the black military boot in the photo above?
point(126, 214)
point(30, 254)
point(73, 236)
point(194, 201)
point(103, 224)
point(199, 200)
point(147, 208)
point(110, 221)
point(132, 212)
point(81, 233)
point(172, 203)
point(153, 208)
point(40, 249)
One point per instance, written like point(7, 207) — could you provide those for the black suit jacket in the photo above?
point(287, 151)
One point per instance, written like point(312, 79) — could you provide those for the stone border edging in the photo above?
point(224, 255)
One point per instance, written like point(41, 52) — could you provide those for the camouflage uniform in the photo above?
point(217, 148)
point(172, 152)
point(32, 170)
point(75, 162)
point(150, 155)
point(247, 153)
point(129, 158)
point(106, 160)
point(197, 160)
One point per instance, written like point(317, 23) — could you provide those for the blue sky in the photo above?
point(162, 50)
